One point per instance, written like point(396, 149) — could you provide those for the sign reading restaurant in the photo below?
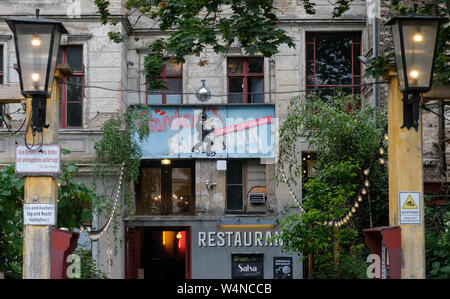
point(239, 239)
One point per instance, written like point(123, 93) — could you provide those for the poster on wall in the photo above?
point(282, 267)
point(211, 132)
point(248, 266)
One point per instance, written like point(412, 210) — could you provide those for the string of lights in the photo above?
point(8, 126)
point(95, 235)
point(356, 204)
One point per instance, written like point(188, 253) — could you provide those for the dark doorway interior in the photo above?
point(158, 253)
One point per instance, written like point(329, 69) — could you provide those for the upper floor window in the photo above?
point(332, 63)
point(245, 80)
point(71, 91)
point(172, 75)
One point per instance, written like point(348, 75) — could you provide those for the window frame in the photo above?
point(63, 89)
point(166, 186)
point(243, 184)
point(245, 75)
point(314, 35)
point(163, 76)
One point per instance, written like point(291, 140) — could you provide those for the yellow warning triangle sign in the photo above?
point(410, 204)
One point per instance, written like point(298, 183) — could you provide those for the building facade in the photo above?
point(207, 202)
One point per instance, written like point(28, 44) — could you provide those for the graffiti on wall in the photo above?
point(211, 132)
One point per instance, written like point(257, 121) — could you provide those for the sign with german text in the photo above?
point(39, 214)
point(282, 267)
point(47, 160)
point(409, 206)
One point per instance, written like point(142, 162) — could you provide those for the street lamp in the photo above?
point(415, 42)
point(37, 44)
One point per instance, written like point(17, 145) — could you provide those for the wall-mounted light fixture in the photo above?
point(165, 162)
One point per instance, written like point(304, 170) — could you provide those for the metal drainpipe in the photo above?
point(270, 79)
point(139, 74)
point(441, 139)
point(374, 48)
point(95, 252)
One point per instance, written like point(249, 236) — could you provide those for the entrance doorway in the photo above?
point(158, 253)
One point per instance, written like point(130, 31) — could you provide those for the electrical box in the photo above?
point(386, 243)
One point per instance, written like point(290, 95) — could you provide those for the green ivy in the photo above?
point(119, 145)
point(74, 199)
point(11, 222)
point(88, 267)
point(437, 240)
point(346, 133)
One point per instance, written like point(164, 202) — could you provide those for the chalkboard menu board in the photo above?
point(247, 266)
point(282, 267)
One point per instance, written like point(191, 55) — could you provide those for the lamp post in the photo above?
point(37, 44)
point(415, 40)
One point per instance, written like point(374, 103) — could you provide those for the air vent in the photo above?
point(256, 198)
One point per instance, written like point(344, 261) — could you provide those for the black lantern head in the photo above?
point(415, 44)
point(415, 41)
point(37, 44)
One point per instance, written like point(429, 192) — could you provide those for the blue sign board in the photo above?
point(245, 131)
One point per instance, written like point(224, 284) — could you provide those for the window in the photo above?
point(243, 177)
point(173, 76)
point(309, 164)
point(1, 64)
point(166, 189)
point(332, 63)
point(245, 80)
point(71, 92)
point(235, 186)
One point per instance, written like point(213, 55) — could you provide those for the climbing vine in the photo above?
point(346, 133)
point(119, 145)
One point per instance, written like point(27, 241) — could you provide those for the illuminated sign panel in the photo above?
point(211, 132)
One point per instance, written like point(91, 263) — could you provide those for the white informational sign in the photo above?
point(409, 206)
point(39, 214)
point(47, 160)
